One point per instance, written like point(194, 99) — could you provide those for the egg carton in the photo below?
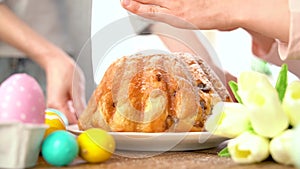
point(20, 144)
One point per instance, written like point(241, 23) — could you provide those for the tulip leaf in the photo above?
point(224, 152)
point(282, 81)
point(234, 88)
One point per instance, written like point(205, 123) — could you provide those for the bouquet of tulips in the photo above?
point(262, 123)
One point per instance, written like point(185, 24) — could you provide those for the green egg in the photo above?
point(60, 148)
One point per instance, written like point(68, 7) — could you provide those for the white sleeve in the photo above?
point(291, 50)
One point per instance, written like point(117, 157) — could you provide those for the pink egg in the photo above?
point(22, 100)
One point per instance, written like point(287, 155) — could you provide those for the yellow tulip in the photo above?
point(291, 102)
point(248, 148)
point(228, 119)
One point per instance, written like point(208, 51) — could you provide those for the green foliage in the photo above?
point(224, 152)
point(261, 66)
point(234, 88)
point(282, 81)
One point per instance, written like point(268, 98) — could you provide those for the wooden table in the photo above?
point(204, 159)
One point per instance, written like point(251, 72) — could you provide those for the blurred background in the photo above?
point(233, 48)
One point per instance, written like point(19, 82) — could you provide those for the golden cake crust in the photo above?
point(154, 93)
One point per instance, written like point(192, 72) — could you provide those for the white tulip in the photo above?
point(228, 119)
point(291, 102)
point(249, 148)
point(266, 113)
point(295, 152)
point(281, 146)
point(261, 98)
point(249, 81)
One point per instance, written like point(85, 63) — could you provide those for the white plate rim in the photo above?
point(163, 141)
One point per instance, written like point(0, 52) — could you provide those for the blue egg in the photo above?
point(60, 148)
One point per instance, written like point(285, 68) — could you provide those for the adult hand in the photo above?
point(65, 87)
point(190, 14)
point(270, 18)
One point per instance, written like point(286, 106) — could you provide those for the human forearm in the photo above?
point(270, 18)
point(16, 33)
point(65, 81)
point(180, 40)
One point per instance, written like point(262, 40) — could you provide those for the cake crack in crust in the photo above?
point(154, 93)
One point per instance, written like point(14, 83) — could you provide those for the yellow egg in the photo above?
point(55, 122)
point(96, 145)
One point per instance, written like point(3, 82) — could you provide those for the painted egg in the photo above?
point(54, 121)
point(59, 113)
point(60, 148)
point(22, 100)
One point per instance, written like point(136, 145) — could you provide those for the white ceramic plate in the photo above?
point(161, 142)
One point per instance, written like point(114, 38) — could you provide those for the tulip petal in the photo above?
point(296, 147)
point(281, 146)
point(266, 113)
point(228, 119)
point(248, 148)
point(291, 103)
point(249, 81)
